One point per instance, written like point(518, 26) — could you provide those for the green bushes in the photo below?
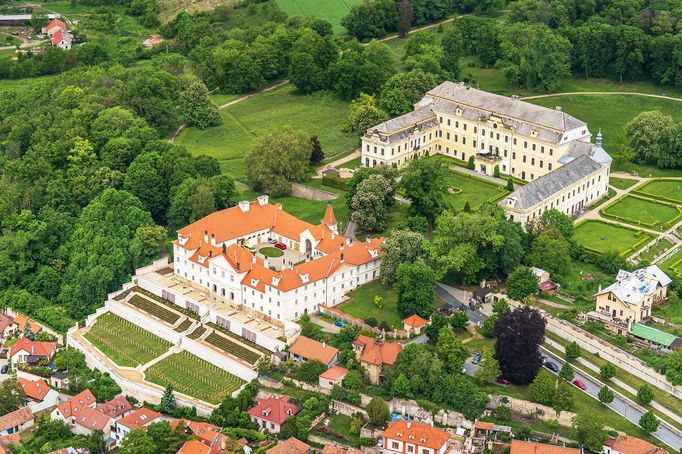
point(334, 181)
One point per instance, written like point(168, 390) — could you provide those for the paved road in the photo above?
point(445, 293)
point(623, 406)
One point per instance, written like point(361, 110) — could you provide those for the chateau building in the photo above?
point(221, 254)
point(522, 139)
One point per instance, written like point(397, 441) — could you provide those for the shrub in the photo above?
point(334, 181)
point(371, 321)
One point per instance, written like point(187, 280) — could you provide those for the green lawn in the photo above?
point(329, 10)
point(124, 343)
point(670, 190)
point(222, 98)
point(658, 248)
point(352, 164)
point(474, 190)
point(672, 312)
point(361, 304)
point(341, 425)
point(193, 376)
point(640, 211)
point(621, 183)
point(319, 114)
point(673, 264)
point(600, 236)
point(581, 280)
point(271, 252)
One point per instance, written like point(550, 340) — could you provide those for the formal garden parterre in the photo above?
point(477, 191)
point(640, 211)
point(669, 190)
point(600, 236)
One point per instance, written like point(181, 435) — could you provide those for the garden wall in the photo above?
point(308, 193)
point(542, 412)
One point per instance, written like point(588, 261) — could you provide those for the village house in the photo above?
point(411, 437)
point(39, 395)
point(8, 327)
point(527, 447)
point(290, 446)
point(219, 254)
point(375, 356)
point(59, 379)
point(630, 299)
point(62, 39)
point(269, 414)
point(306, 349)
point(336, 449)
point(332, 377)
point(22, 320)
point(7, 440)
point(625, 444)
point(16, 421)
point(196, 447)
point(29, 352)
point(116, 408)
point(73, 407)
point(139, 418)
point(208, 434)
point(414, 324)
point(53, 27)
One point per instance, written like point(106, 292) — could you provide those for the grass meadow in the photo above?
point(329, 10)
point(361, 304)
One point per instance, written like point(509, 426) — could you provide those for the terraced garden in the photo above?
point(154, 309)
point(669, 190)
point(599, 237)
point(673, 264)
point(243, 340)
point(233, 348)
point(184, 325)
point(193, 376)
point(123, 342)
point(641, 211)
point(198, 331)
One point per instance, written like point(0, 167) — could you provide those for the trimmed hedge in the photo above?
point(334, 181)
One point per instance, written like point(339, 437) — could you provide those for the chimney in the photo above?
point(342, 257)
point(324, 344)
point(253, 259)
point(205, 236)
point(262, 200)
point(213, 239)
point(333, 236)
point(266, 263)
point(210, 253)
point(409, 424)
point(244, 206)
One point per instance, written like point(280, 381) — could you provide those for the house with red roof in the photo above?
point(527, 447)
point(63, 39)
point(138, 418)
point(196, 447)
point(53, 27)
point(375, 356)
point(39, 395)
point(412, 437)
point(307, 349)
point(7, 326)
point(21, 321)
point(625, 444)
point(414, 324)
point(208, 434)
point(290, 446)
point(116, 408)
point(16, 421)
point(73, 407)
point(219, 255)
point(271, 413)
point(332, 377)
point(26, 351)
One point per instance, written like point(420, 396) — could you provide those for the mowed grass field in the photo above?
point(124, 343)
point(621, 183)
point(601, 236)
point(474, 190)
point(361, 304)
point(329, 10)
point(193, 376)
point(664, 189)
point(636, 210)
point(319, 114)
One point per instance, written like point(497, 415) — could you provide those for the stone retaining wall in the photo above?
point(308, 193)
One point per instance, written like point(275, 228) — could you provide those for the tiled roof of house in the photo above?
point(56, 23)
point(418, 433)
point(632, 445)
point(15, 418)
point(74, 405)
point(527, 447)
point(209, 434)
point(290, 446)
point(311, 349)
point(21, 320)
point(5, 321)
point(195, 447)
point(36, 390)
point(546, 186)
point(335, 449)
point(415, 321)
point(482, 425)
point(115, 407)
point(378, 353)
point(33, 348)
point(334, 373)
point(274, 409)
point(92, 419)
point(6, 440)
point(139, 418)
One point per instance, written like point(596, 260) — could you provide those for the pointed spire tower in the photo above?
point(329, 219)
point(598, 142)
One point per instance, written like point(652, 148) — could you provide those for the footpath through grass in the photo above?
point(193, 376)
point(320, 114)
point(124, 343)
point(621, 183)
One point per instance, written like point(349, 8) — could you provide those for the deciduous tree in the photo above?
point(543, 388)
point(589, 431)
point(378, 413)
point(573, 351)
point(198, 108)
point(648, 422)
point(369, 204)
point(645, 394)
point(414, 285)
point(605, 395)
point(489, 367)
point(521, 284)
point(518, 338)
point(425, 183)
point(401, 246)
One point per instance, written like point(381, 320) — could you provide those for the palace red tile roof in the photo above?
point(334, 373)
point(74, 405)
point(57, 37)
point(33, 348)
point(36, 390)
point(115, 407)
point(290, 446)
point(418, 433)
point(139, 418)
point(632, 445)
point(313, 350)
point(527, 447)
point(274, 409)
point(377, 353)
point(15, 418)
point(329, 217)
point(415, 321)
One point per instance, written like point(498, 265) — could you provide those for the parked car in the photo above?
point(580, 384)
point(4, 369)
point(281, 246)
point(476, 358)
point(272, 241)
point(340, 323)
point(552, 366)
point(502, 381)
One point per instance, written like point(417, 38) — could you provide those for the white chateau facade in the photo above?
point(522, 140)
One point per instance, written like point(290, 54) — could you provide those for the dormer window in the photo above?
point(305, 277)
point(422, 440)
point(275, 281)
point(254, 282)
point(373, 253)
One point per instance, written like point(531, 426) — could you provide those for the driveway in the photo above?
point(454, 296)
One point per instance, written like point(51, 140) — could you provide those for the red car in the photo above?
point(580, 384)
point(281, 246)
point(502, 381)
